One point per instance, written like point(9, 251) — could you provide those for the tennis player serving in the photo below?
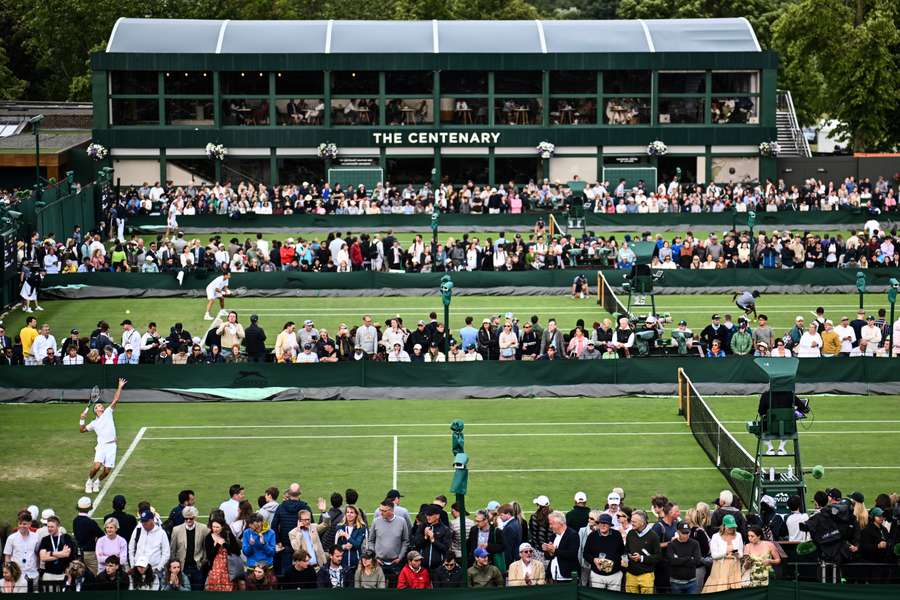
point(104, 426)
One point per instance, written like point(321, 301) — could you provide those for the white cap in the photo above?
point(525, 546)
point(34, 510)
point(84, 503)
point(580, 497)
point(46, 514)
point(613, 498)
point(542, 501)
point(493, 504)
point(141, 561)
point(767, 500)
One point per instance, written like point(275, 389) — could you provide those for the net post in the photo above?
point(687, 401)
point(680, 385)
point(552, 223)
point(600, 287)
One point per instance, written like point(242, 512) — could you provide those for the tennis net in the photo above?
point(607, 297)
point(720, 446)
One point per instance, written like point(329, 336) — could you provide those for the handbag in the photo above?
point(235, 567)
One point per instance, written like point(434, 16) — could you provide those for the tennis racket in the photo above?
point(96, 395)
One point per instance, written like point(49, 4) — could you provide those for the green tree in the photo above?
point(11, 87)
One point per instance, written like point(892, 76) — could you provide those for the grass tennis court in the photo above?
point(328, 312)
point(519, 448)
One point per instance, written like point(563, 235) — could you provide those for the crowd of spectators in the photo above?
point(281, 543)
point(497, 337)
point(470, 198)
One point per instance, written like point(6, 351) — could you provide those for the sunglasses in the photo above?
point(525, 552)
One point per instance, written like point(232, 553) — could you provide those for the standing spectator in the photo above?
point(284, 521)
point(220, 547)
point(726, 549)
point(131, 339)
point(42, 343)
point(255, 340)
point(857, 324)
point(810, 344)
point(742, 340)
point(230, 507)
point(512, 532)
point(231, 332)
point(56, 550)
point(508, 342)
point(389, 538)
point(367, 336)
point(258, 545)
point(127, 522)
point(21, 548)
point(286, 346)
point(869, 337)
point(468, 334)
point(875, 546)
point(413, 575)
point(305, 536)
point(434, 540)
point(188, 546)
point(350, 535)
point(552, 337)
point(486, 536)
point(482, 573)
point(726, 508)
point(87, 532)
point(27, 336)
point(603, 551)
point(684, 557)
point(847, 336)
point(149, 541)
point(759, 556)
point(111, 544)
point(643, 551)
point(578, 516)
point(455, 528)
point(562, 552)
point(794, 520)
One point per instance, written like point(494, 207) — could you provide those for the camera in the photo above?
point(461, 460)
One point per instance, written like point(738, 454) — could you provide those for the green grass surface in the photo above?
point(519, 448)
point(62, 315)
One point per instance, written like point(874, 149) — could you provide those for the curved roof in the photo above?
point(187, 36)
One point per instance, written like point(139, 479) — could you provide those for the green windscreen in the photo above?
point(631, 175)
point(352, 177)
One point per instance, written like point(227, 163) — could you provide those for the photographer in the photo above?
point(832, 528)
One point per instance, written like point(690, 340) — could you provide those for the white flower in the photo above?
point(97, 151)
point(327, 150)
point(657, 148)
point(216, 151)
point(769, 148)
point(546, 149)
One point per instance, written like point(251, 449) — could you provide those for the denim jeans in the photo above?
point(686, 587)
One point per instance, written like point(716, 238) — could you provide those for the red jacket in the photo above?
point(411, 580)
point(287, 254)
point(356, 257)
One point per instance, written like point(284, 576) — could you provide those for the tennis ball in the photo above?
point(127, 312)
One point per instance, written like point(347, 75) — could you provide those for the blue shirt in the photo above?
point(468, 335)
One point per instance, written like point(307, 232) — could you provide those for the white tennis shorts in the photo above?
point(105, 454)
point(214, 294)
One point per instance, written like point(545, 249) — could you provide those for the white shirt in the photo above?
point(793, 526)
point(153, 545)
point(402, 356)
point(68, 360)
point(307, 357)
point(869, 333)
point(23, 550)
point(805, 348)
point(230, 508)
point(554, 564)
point(104, 426)
point(846, 332)
point(132, 339)
point(41, 345)
point(97, 245)
point(217, 285)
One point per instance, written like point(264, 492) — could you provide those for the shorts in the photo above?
point(171, 222)
point(105, 454)
point(28, 293)
point(214, 294)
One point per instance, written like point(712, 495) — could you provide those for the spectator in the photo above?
point(111, 544)
point(174, 579)
point(603, 551)
point(797, 516)
point(258, 545)
point(562, 552)
point(413, 575)
point(684, 557)
point(56, 551)
point(300, 575)
point(869, 337)
point(448, 575)
point(78, 578)
point(350, 535)
point(434, 540)
point(455, 528)
point(759, 556)
point(255, 340)
point(482, 573)
point(332, 574)
point(188, 546)
point(111, 577)
point(143, 577)
point(715, 350)
point(221, 549)
point(727, 550)
point(831, 341)
point(486, 536)
point(810, 344)
point(389, 539)
point(127, 522)
point(149, 542)
point(742, 340)
point(643, 551)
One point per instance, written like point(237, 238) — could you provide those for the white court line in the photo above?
point(479, 435)
point(610, 469)
point(394, 479)
point(112, 476)
point(506, 424)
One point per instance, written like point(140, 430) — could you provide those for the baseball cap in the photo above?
point(876, 512)
point(715, 316)
point(591, 343)
point(767, 500)
point(480, 553)
point(75, 331)
point(541, 501)
point(829, 322)
point(84, 503)
point(254, 318)
point(799, 318)
point(126, 322)
point(141, 561)
point(493, 505)
point(857, 497)
point(307, 346)
point(684, 527)
point(870, 318)
point(413, 555)
point(146, 516)
point(682, 322)
point(845, 318)
point(728, 521)
point(46, 514)
point(580, 497)
point(419, 346)
point(307, 322)
point(525, 546)
point(606, 519)
point(394, 494)
point(834, 493)
point(485, 320)
point(613, 498)
point(421, 322)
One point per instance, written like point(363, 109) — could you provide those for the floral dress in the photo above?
point(218, 579)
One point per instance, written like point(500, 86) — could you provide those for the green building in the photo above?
point(435, 100)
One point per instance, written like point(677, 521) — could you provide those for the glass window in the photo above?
point(240, 111)
point(296, 170)
point(255, 83)
point(464, 82)
point(409, 82)
point(255, 170)
point(573, 82)
point(200, 169)
point(401, 171)
point(735, 82)
point(518, 169)
point(626, 111)
point(682, 82)
point(626, 82)
point(299, 83)
point(464, 111)
point(573, 111)
point(518, 111)
point(518, 82)
point(189, 112)
point(457, 170)
point(742, 109)
point(134, 82)
point(354, 111)
point(188, 82)
point(135, 112)
point(354, 82)
point(409, 111)
point(680, 110)
point(301, 111)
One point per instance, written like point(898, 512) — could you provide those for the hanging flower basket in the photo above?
point(657, 148)
point(546, 150)
point(216, 151)
point(327, 150)
point(97, 151)
point(769, 149)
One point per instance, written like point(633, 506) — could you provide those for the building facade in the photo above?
point(435, 100)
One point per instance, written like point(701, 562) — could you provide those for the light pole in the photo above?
point(459, 486)
point(892, 298)
point(446, 296)
point(36, 129)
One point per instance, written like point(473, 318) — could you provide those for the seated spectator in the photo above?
point(482, 573)
point(413, 575)
point(448, 574)
point(332, 574)
point(300, 575)
point(715, 350)
point(175, 580)
point(526, 571)
point(260, 578)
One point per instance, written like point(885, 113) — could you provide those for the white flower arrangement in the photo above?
point(216, 151)
point(327, 150)
point(769, 148)
point(97, 151)
point(546, 149)
point(657, 148)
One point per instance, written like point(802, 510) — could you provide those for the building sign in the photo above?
point(627, 160)
point(355, 161)
point(436, 138)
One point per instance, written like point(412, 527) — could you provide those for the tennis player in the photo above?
point(217, 290)
point(104, 426)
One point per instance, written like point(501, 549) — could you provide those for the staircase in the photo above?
point(790, 136)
